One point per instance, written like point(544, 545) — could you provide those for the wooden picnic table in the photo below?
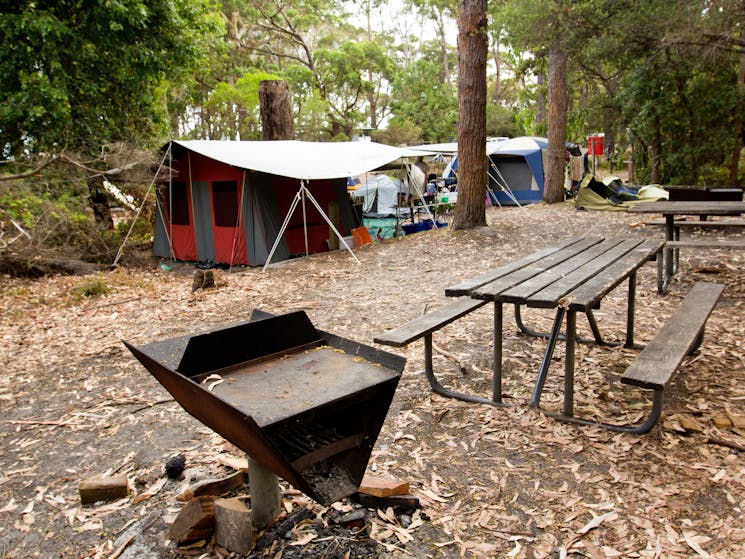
point(570, 277)
point(670, 210)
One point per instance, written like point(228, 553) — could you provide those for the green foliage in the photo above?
point(80, 74)
point(91, 287)
point(430, 104)
point(399, 133)
point(234, 107)
point(500, 121)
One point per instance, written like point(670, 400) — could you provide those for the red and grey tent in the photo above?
point(225, 201)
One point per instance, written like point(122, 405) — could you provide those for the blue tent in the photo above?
point(516, 171)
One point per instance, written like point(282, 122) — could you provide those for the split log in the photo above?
point(379, 487)
point(214, 487)
point(195, 521)
point(97, 489)
point(233, 527)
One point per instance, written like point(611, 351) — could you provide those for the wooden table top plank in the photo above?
point(466, 286)
point(591, 292)
point(552, 295)
point(493, 289)
point(607, 251)
point(690, 208)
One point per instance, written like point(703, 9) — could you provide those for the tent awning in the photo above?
point(296, 159)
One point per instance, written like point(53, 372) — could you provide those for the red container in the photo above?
point(595, 145)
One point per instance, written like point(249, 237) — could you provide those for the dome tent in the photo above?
point(380, 195)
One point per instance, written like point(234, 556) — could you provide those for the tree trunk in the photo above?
point(540, 102)
point(734, 165)
point(99, 201)
point(276, 110)
point(655, 151)
point(497, 58)
point(557, 125)
point(470, 211)
point(443, 47)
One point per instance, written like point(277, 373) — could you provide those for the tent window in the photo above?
point(225, 200)
point(179, 201)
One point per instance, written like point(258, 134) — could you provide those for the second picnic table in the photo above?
point(703, 209)
point(572, 276)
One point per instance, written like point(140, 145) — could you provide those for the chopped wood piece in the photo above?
point(215, 487)
point(195, 521)
point(234, 462)
point(233, 528)
point(379, 487)
point(395, 501)
point(96, 489)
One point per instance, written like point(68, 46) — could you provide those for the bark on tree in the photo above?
point(470, 211)
point(276, 110)
point(734, 166)
point(557, 125)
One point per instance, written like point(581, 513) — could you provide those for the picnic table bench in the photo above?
point(423, 327)
point(681, 335)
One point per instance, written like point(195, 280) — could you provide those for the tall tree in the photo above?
point(472, 52)
point(557, 123)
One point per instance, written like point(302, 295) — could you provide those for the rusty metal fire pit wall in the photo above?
point(306, 404)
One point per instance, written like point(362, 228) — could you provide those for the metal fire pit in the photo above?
point(306, 404)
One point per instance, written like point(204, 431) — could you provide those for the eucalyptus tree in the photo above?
point(443, 14)
point(323, 58)
point(421, 97)
point(77, 75)
point(472, 52)
point(540, 26)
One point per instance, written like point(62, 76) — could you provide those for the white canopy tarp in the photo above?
point(300, 160)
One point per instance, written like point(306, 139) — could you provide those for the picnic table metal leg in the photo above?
point(535, 400)
point(498, 332)
point(630, 312)
point(638, 429)
point(597, 336)
point(570, 363)
point(438, 388)
point(661, 283)
point(669, 235)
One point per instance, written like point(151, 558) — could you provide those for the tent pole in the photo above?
point(233, 255)
point(303, 190)
point(323, 214)
point(502, 184)
point(139, 210)
point(282, 230)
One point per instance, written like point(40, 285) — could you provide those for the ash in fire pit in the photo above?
point(306, 404)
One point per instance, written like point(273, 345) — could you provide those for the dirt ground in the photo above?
point(492, 482)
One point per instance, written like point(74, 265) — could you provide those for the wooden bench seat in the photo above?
point(423, 327)
point(681, 334)
point(657, 363)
